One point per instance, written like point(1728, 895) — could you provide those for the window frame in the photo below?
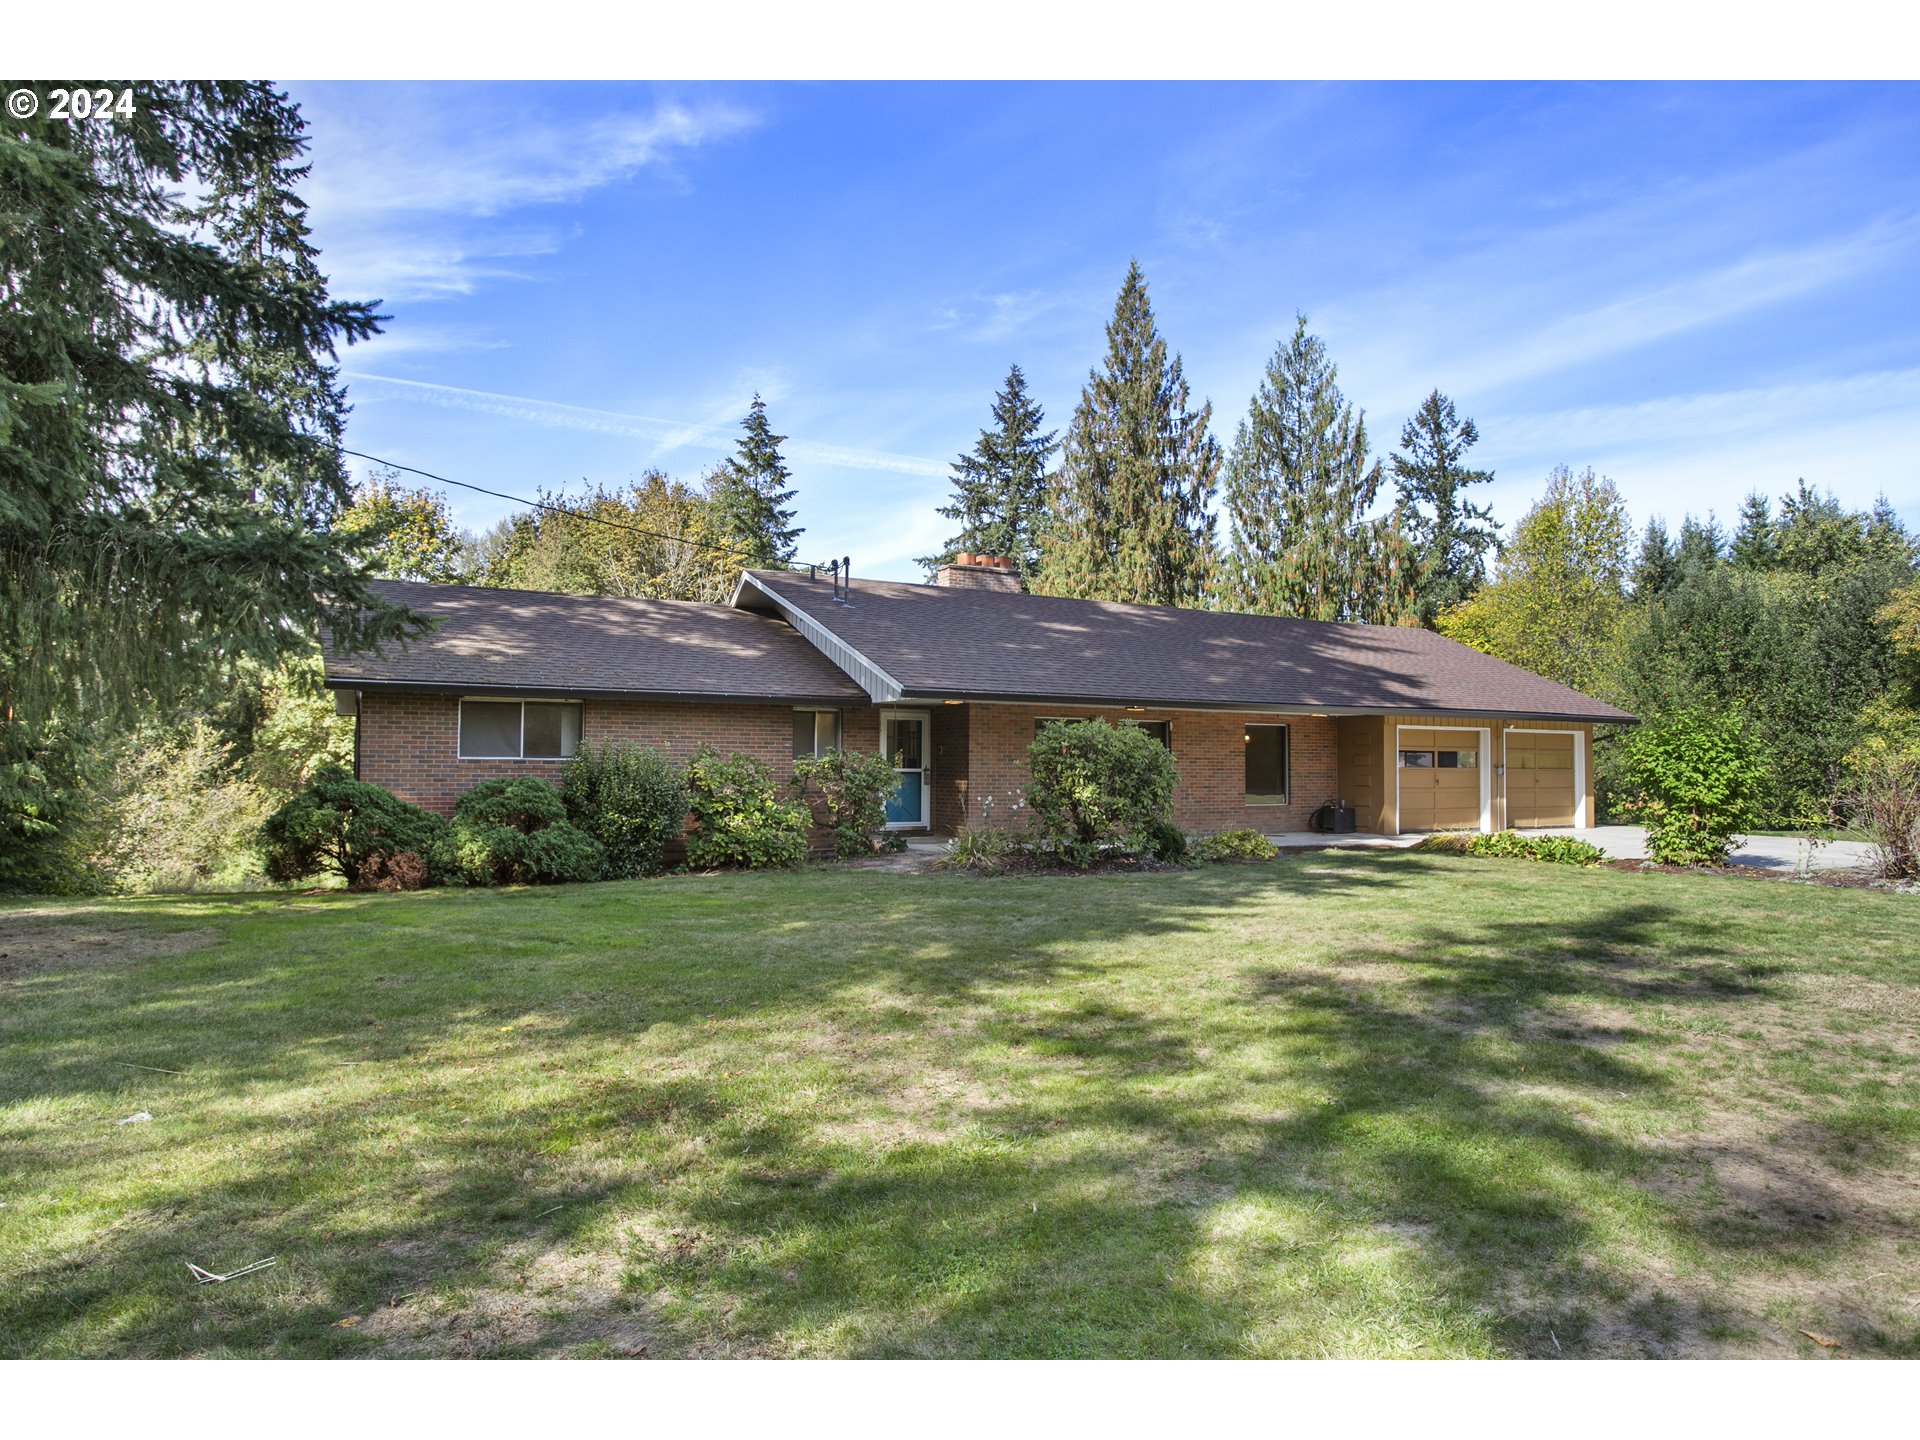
point(839, 729)
point(1285, 796)
point(1148, 725)
point(522, 758)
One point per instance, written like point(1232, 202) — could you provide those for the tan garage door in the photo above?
point(1539, 780)
point(1439, 779)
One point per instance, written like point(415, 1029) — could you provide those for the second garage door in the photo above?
point(1439, 780)
point(1539, 779)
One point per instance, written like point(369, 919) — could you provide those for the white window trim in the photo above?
point(459, 730)
point(1286, 766)
point(1485, 732)
point(1580, 740)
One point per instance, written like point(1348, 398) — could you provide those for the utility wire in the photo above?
point(548, 505)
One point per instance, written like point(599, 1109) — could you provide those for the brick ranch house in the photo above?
point(1267, 718)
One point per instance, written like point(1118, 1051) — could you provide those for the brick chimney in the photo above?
point(978, 572)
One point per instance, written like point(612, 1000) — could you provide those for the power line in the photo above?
point(548, 505)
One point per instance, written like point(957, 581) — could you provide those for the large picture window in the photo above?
point(815, 732)
point(520, 729)
point(1266, 764)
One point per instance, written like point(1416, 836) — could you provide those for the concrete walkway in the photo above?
point(1779, 854)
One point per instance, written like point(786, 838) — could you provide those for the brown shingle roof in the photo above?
point(935, 643)
point(490, 640)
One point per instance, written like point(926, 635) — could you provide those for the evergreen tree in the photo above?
point(1000, 489)
point(1753, 544)
point(1657, 568)
point(751, 494)
point(1450, 536)
point(1130, 517)
point(1702, 545)
point(169, 485)
point(1298, 490)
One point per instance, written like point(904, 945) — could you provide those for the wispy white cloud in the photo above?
point(665, 433)
point(409, 184)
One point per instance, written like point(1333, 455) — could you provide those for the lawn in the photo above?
point(1340, 1105)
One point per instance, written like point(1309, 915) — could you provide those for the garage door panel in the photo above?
point(1540, 776)
point(1439, 774)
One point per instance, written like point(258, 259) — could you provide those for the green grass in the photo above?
point(1344, 1104)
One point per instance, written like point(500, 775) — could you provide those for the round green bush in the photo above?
point(1694, 779)
point(1166, 842)
point(341, 825)
point(632, 800)
point(515, 832)
point(1096, 786)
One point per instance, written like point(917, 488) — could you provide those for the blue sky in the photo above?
point(1698, 290)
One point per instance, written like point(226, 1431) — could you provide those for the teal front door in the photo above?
point(903, 740)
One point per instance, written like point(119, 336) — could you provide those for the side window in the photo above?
point(815, 732)
point(1266, 747)
point(520, 730)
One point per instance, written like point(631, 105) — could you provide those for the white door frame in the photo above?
point(1485, 732)
point(925, 717)
point(1579, 768)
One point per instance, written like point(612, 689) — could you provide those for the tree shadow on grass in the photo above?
point(1394, 1148)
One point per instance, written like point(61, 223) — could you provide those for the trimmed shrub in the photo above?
point(1166, 842)
point(337, 824)
point(1096, 786)
point(854, 790)
point(738, 817)
point(1693, 779)
point(515, 832)
point(1509, 844)
point(632, 800)
point(1230, 845)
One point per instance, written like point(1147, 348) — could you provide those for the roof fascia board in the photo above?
point(448, 687)
point(936, 697)
point(881, 687)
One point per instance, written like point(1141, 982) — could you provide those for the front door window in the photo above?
point(903, 740)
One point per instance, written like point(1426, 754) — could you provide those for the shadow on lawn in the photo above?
point(1445, 1154)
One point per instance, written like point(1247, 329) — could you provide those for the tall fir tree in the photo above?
point(751, 496)
point(1298, 491)
point(169, 485)
point(1000, 488)
point(1701, 547)
point(1656, 570)
point(1130, 516)
point(1451, 537)
point(1753, 543)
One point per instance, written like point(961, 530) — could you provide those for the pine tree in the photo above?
point(169, 483)
point(1656, 571)
point(1753, 546)
point(1130, 517)
point(750, 496)
point(1702, 545)
point(1298, 491)
point(1000, 489)
point(1450, 536)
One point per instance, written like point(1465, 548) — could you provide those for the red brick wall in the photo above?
point(1209, 751)
point(410, 743)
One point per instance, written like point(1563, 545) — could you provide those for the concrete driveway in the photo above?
point(1764, 852)
point(1779, 854)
